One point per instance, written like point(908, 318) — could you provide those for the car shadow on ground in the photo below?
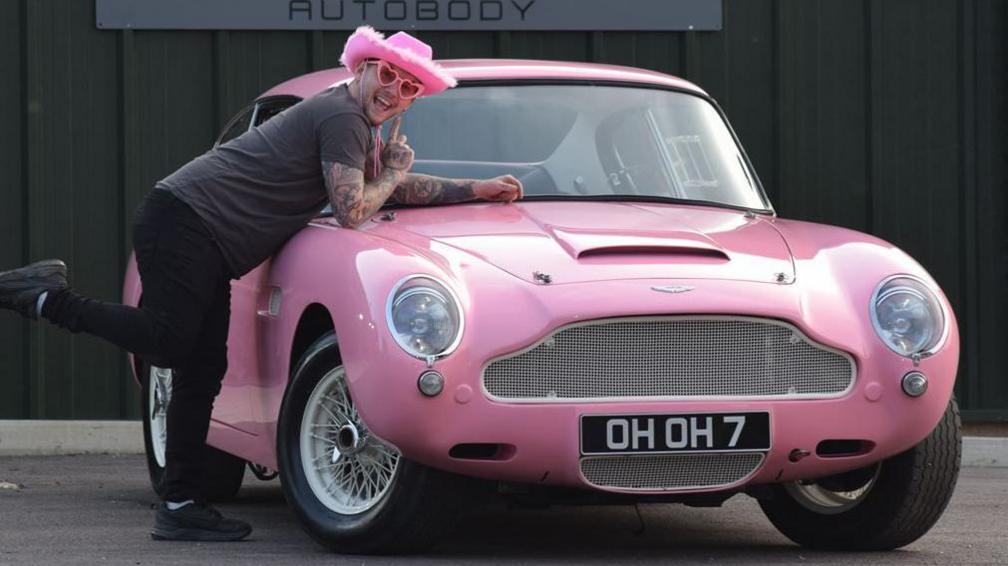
point(734, 533)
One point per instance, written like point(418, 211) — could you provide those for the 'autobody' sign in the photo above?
point(670, 15)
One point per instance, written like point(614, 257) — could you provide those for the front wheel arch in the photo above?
point(418, 506)
point(907, 496)
point(314, 324)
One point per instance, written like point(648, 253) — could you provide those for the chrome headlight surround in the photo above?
point(414, 292)
point(924, 315)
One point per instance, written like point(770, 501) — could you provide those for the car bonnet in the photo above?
point(576, 242)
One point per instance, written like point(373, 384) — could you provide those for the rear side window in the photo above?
point(255, 115)
point(272, 106)
point(237, 126)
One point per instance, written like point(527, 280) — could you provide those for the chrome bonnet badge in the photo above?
point(673, 288)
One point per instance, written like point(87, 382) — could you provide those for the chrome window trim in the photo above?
point(255, 116)
point(253, 111)
point(249, 110)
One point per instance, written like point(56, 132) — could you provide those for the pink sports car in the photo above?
point(641, 327)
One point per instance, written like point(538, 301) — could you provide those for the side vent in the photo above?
point(482, 451)
point(273, 303)
point(839, 448)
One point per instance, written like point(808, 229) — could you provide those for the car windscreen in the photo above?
point(581, 140)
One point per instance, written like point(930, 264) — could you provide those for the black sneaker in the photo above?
point(20, 288)
point(197, 521)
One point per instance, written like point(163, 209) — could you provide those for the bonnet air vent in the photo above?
point(686, 252)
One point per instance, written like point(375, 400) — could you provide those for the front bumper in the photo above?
point(541, 441)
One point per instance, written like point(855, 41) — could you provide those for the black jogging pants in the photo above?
point(182, 324)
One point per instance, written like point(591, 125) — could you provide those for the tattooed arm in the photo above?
point(423, 189)
point(416, 189)
point(352, 200)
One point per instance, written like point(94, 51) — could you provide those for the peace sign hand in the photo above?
point(396, 154)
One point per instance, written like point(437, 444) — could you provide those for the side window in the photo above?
point(270, 107)
point(255, 115)
point(237, 126)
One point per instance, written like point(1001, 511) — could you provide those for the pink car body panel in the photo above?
point(495, 69)
point(604, 258)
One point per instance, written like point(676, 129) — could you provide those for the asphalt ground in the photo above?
point(97, 509)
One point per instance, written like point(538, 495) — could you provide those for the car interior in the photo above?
point(569, 140)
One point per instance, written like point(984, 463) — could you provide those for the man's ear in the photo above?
point(358, 73)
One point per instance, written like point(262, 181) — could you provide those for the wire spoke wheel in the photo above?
point(353, 491)
point(879, 507)
point(159, 391)
point(821, 499)
point(348, 469)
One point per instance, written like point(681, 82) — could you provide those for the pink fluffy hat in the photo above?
point(402, 50)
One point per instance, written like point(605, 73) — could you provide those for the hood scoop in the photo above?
point(663, 251)
point(586, 244)
point(655, 253)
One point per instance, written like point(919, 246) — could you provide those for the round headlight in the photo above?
point(424, 317)
point(907, 316)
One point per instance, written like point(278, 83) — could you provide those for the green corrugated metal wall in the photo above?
point(887, 116)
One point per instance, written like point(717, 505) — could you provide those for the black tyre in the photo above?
point(879, 508)
point(351, 491)
point(222, 474)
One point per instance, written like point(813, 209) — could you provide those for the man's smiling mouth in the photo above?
point(383, 102)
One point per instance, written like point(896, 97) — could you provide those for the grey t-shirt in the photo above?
point(259, 189)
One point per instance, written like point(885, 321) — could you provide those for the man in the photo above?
point(225, 212)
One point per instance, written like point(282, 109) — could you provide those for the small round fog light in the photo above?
point(430, 383)
point(914, 384)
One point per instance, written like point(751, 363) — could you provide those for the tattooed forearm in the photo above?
point(352, 200)
point(424, 189)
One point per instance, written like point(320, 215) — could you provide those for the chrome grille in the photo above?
point(671, 357)
point(669, 471)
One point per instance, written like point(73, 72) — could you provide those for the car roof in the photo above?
point(500, 69)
